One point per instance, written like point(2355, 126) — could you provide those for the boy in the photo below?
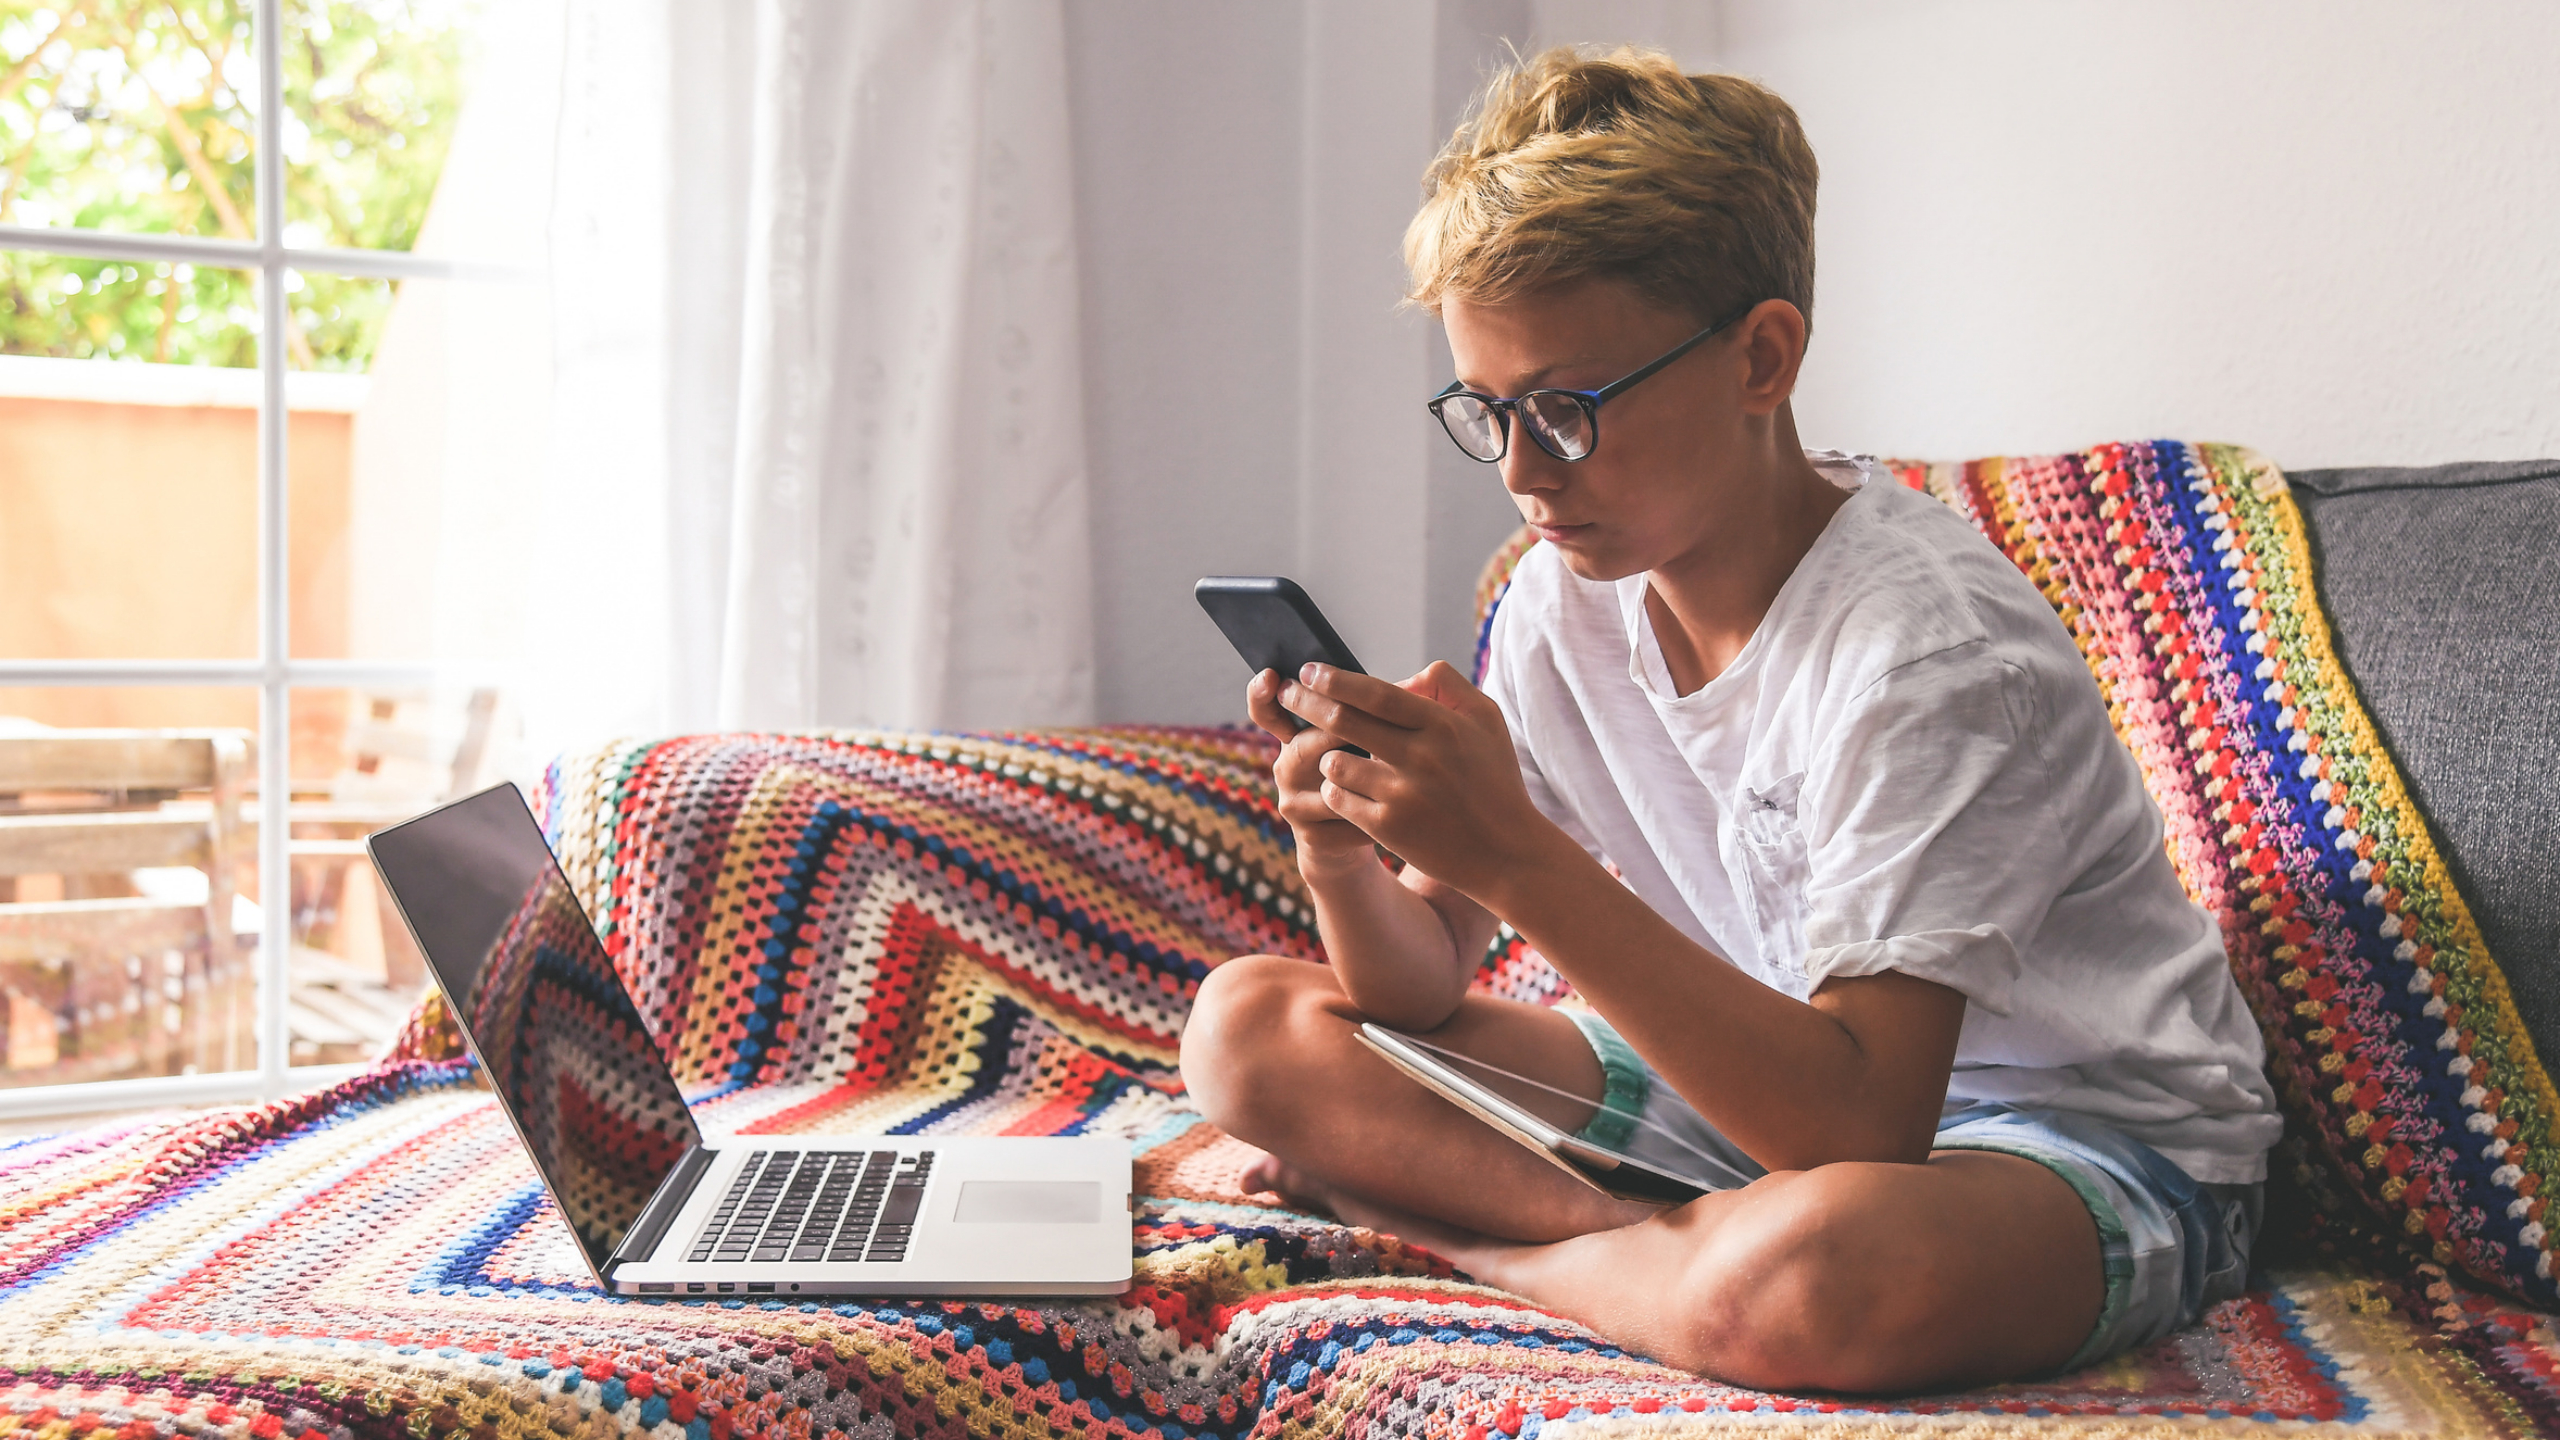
point(1796, 779)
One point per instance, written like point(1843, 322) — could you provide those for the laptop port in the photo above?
point(695, 1287)
point(727, 1286)
point(656, 1288)
point(759, 1287)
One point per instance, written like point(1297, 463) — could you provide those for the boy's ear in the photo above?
point(1771, 339)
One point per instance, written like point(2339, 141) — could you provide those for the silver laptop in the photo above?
point(657, 1208)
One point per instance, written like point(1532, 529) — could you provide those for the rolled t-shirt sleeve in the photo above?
point(1931, 845)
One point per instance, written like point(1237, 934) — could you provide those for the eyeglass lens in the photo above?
point(1474, 425)
point(1560, 423)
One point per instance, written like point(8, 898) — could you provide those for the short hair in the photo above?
point(1697, 189)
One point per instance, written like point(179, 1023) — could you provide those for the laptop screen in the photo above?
point(544, 1011)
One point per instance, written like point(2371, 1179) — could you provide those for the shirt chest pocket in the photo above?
point(1775, 870)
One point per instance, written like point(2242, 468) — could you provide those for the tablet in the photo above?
point(1608, 1171)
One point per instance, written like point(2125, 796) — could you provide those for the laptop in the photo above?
point(657, 1207)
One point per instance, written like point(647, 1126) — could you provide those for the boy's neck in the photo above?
point(1705, 604)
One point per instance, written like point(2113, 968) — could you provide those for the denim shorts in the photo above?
point(2172, 1245)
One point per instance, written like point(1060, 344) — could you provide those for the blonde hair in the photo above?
point(1697, 189)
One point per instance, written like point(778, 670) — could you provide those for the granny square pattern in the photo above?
point(2417, 1109)
point(1002, 933)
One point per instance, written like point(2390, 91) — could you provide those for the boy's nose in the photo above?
point(1527, 469)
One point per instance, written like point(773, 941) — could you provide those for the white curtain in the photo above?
point(819, 455)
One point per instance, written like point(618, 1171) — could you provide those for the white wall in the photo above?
point(1244, 175)
point(2326, 230)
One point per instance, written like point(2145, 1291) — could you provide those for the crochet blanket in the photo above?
point(2418, 1111)
point(999, 934)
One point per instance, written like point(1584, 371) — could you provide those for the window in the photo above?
point(274, 358)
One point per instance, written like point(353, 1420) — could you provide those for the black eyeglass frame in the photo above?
point(1589, 400)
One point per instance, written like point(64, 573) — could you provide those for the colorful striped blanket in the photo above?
point(999, 934)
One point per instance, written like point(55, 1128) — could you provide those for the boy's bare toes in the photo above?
point(1262, 1175)
point(1270, 1175)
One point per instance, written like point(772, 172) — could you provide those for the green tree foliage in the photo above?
point(139, 115)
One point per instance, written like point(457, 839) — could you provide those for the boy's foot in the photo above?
point(1264, 1175)
point(1460, 1247)
point(1271, 1175)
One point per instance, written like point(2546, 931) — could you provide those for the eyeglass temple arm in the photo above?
point(1676, 351)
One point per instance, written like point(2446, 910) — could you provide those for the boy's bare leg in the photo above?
point(1852, 1277)
point(1270, 1057)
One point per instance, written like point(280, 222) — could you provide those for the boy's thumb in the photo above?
point(1441, 682)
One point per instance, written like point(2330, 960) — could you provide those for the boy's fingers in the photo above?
point(1389, 702)
point(1356, 808)
point(1362, 777)
point(1441, 683)
point(1353, 726)
point(1306, 751)
point(1257, 702)
point(1262, 703)
point(1313, 811)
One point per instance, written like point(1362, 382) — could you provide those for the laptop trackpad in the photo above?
point(1029, 1202)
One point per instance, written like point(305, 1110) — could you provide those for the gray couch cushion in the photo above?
point(2443, 588)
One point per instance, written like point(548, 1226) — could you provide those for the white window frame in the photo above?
point(275, 671)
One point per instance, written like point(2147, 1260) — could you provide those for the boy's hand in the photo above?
point(1327, 843)
point(1441, 786)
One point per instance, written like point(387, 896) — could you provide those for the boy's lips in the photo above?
point(1553, 531)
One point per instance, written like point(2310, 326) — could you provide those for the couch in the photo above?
point(997, 933)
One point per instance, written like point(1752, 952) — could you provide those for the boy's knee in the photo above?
point(1794, 1291)
point(1248, 1025)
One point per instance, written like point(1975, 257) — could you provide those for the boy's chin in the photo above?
point(1600, 566)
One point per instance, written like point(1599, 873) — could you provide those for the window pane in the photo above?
point(129, 489)
point(333, 322)
point(130, 115)
point(434, 532)
point(364, 759)
point(420, 125)
point(68, 308)
point(128, 883)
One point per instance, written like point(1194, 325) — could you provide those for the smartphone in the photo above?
point(1273, 624)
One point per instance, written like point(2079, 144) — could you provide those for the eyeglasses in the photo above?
point(1565, 423)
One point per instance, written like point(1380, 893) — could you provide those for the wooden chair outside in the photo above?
point(97, 979)
point(356, 972)
point(107, 974)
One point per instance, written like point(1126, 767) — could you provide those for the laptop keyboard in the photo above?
point(805, 1206)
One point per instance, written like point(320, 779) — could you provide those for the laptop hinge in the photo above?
point(661, 1211)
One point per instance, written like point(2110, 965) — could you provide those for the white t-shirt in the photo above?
point(1909, 768)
